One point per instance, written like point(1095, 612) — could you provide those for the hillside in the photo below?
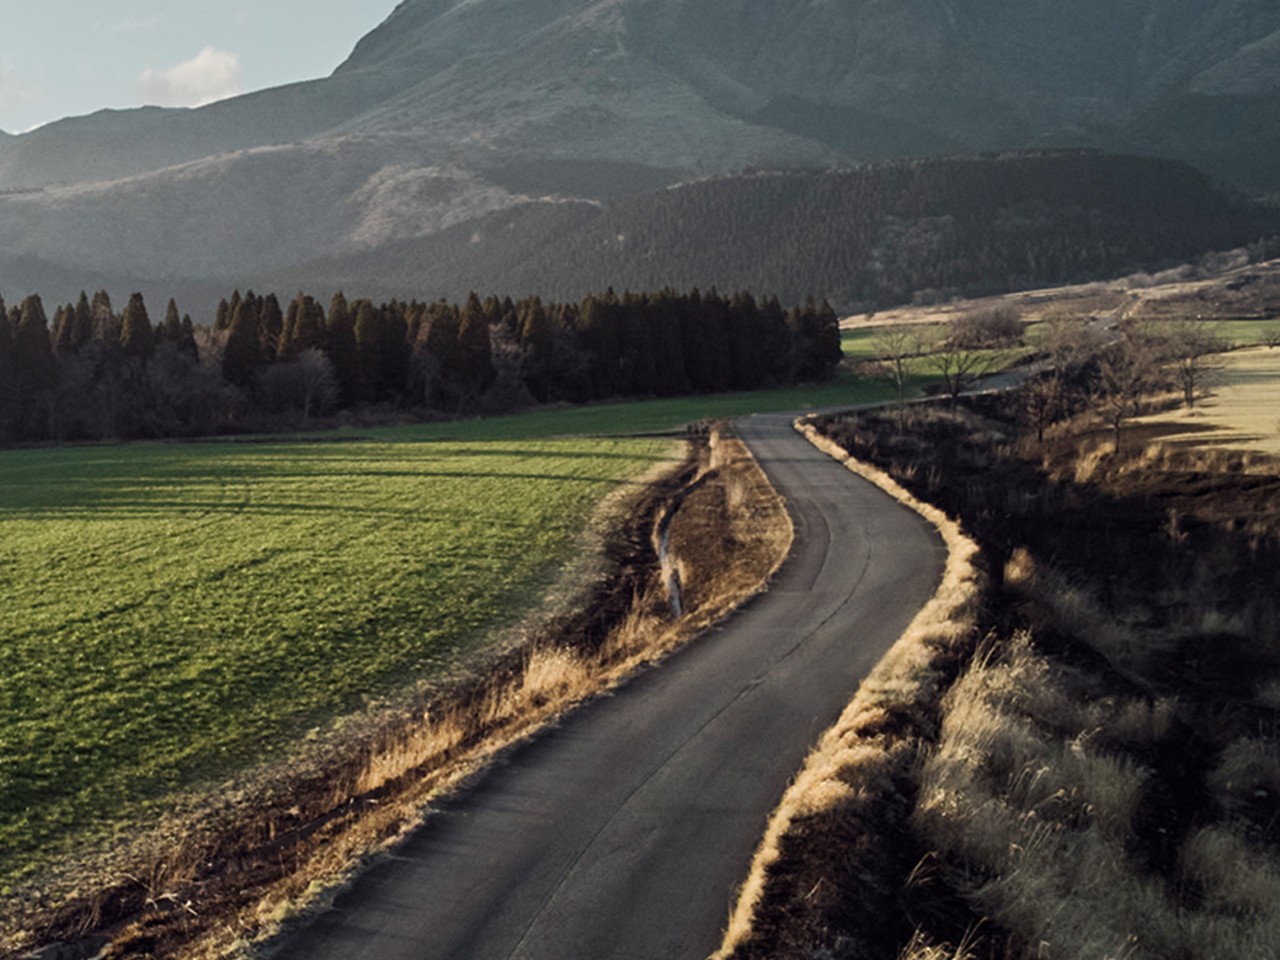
point(865, 237)
point(453, 111)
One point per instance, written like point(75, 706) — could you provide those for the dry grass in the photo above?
point(1241, 414)
point(1032, 797)
point(855, 764)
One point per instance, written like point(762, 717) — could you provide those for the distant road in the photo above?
point(624, 832)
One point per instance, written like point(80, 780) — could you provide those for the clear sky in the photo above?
point(61, 58)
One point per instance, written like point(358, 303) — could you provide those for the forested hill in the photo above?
point(868, 236)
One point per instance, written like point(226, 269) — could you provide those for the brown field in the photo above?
point(1242, 411)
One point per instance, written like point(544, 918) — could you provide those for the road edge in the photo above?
point(776, 902)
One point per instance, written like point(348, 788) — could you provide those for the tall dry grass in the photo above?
point(1034, 808)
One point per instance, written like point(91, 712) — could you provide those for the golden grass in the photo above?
point(852, 760)
point(1028, 790)
point(1244, 411)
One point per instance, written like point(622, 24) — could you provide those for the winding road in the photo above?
point(624, 832)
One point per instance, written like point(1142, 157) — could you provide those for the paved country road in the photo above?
point(625, 831)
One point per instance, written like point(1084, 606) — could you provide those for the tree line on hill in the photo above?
point(864, 238)
point(95, 373)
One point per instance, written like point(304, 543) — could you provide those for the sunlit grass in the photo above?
point(174, 612)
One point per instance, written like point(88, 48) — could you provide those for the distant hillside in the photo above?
point(871, 236)
point(456, 113)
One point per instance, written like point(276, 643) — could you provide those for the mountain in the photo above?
point(456, 110)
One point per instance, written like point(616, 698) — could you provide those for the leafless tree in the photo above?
point(993, 327)
point(1128, 371)
point(1194, 351)
point(894, 347)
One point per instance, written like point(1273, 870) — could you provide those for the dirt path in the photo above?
point(624, 832)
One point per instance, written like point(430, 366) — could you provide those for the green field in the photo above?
point(177, 612)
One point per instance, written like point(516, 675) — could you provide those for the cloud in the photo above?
point(208, 76)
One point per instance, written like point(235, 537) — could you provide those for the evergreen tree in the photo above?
point(9, 396)
point(136, 335)
point(242, 355)
point(187, 339)
point(474, 365)
point(170, 329)
point(394, 352)
point(340, 335)
point(270, 326)
point(37, 370)
point(368, 336)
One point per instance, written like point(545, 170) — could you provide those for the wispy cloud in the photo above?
point(136, 26)
point(210, 75)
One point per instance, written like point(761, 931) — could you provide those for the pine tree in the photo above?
point(170, 330)
point(9, 396)
point(340, 335)
point(242, 355)
point(475, 354)
point(37, 370)
point(136, 335)
point(270, 326)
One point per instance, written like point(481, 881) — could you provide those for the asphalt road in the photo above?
point(625, 831)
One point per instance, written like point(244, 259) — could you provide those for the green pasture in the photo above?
point(176, 612)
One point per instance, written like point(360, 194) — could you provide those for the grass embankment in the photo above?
point(1105, 775)
point(257, 633)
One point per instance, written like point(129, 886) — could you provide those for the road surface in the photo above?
point(624, 832)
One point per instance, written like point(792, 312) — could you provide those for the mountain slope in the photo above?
point(454, 109)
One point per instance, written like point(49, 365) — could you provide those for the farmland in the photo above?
point(180, 612)
point(175, 612)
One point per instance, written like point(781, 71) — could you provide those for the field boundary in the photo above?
point(863, 763)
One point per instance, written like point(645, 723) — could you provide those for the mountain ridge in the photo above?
point(453, 110)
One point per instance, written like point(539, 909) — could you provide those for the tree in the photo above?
point(960, 366)
point(170, 329)
point(340, 335)
point(475, 351)
point(37, 370)
point(1195, 352)
point(9, 396)
point(989, 328)
point(242, 355)
point(894, 347)
point(1127, 371)
point(136, 336)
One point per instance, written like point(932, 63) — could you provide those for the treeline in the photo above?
point(94, 373)
point(868, 237)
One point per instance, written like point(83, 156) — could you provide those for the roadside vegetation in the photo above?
point(1101, 778)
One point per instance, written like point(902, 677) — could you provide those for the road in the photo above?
point(624, 832)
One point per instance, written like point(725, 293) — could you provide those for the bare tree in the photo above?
point(960, 366)
point(999, 326)
point(894, 347)
point(1128, 371)
point(319, 382)
point(1040, 401)
point(1195, 352)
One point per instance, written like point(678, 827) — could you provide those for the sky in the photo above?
point(61, 58)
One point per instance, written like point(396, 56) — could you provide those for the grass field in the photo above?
point(1243, 410)
point(178, 612)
